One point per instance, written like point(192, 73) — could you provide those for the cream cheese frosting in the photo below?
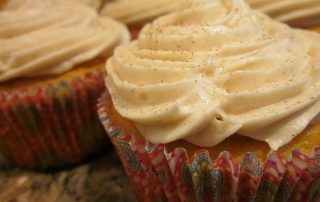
point(214, 69)
point(308, 11)
point(140, 11)
point(49, 37)
point(14, 4)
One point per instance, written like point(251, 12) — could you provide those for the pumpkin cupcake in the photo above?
point(52, 55)
point(136, 14)
point(217, 102)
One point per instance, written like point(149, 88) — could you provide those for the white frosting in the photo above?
point(214, 69)
point(289, 10)
point(96, 4)
point(45, 37)
point(139, 11)
point(15, 4)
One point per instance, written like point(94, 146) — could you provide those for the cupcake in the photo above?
point(136, 14)
point(217, 102)
point(52, 55)
point(298, 13)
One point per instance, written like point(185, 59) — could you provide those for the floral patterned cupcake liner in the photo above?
point(52, 125)
point(159, 175)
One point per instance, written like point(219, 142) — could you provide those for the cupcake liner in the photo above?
point(51, 125)
point(159, 175)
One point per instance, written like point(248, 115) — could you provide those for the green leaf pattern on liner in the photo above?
point(283, 193)
point(115, 132)
point(186, 175)
point(161, 176)
point(266, 192)
point(28, 117)
point(92, 134)
point(129, 156)
point(315, 190)
point(63, 97)
point(203, 179)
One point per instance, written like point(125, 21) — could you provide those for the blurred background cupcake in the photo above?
point(217, 102)
point(52, 54)
point(136, 14)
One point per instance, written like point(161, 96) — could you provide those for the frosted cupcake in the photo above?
point(217, 102)
point(52, 55)
point(136, 14)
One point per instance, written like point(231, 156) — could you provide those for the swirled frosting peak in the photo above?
point(44, 37)
point(214, 69)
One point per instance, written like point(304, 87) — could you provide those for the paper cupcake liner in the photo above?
point(159, 175)
point(52, 125)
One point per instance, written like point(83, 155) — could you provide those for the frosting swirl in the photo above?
point(214, 69)
point(139, 11)
point(96, 4)
point(51, 36)
point(288, 10)
point(297, 12)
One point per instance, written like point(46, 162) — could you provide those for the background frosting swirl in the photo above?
point(51, 36)
point(139, 11)
point(290, 11)
point(214, 69)
point(295, 12)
